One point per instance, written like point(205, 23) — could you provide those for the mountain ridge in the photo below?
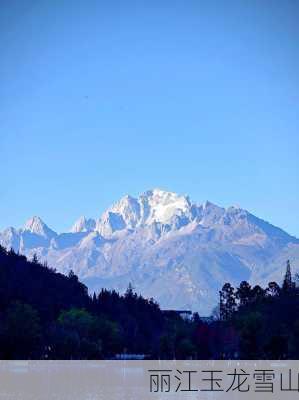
point(169, 247)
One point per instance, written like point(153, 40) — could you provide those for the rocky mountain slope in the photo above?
point(169, 247)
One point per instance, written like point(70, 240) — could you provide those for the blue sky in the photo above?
point(103, 98)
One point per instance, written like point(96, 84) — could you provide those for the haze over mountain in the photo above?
point(169, 247)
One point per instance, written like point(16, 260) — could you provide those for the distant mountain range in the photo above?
point(170, 248)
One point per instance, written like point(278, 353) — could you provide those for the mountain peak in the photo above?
point(164, 205)
point(153, 206)
point(208, 204)
point(36, 225)
point(161, 194)
point(83, 224)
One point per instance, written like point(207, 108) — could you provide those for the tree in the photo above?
point(35, 259)
point(167, 347)
point(130, 291)
point(251, 335)
point(96, 335)
point(287, 282)
point(72, 276)
point(273, 289)
point(22, 332)
point(196, 318)
point(185, 349)
point(243, 293)
point(294, 341)
point(94, 298)
point(257, 294)
point(227, 302)
point(78, 320)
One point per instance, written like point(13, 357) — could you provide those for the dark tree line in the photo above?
point(47, 315)
point(265, 322)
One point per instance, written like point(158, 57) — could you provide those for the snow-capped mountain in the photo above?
point(83, 225)
point(36, 226)
point(169, 247)
point(153, 207)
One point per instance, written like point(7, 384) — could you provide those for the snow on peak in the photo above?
point(83, 224)
point(163, 206)
point(37, 226)
point(129, 208)
point(153, 206)
point(34, 225)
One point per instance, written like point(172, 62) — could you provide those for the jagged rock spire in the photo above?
point(287, 282)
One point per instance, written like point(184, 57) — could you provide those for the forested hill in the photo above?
point(46, 315)
point(43, 288)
